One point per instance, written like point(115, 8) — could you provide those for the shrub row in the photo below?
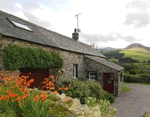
point(136, 78)
point(84, 89)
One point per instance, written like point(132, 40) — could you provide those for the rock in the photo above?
point(62, 96)
point(146, 114)
point(94, 112)
point(74, 107)
point(67, 99)
point(76, 103)
point(70, 115)
point(84, 108)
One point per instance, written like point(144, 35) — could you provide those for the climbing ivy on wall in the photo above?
point(19, 57)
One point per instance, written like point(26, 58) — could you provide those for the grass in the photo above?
point(142, 83)
point(126, 88)
point(137, 54)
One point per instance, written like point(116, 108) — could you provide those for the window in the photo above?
point(18, 24)
point(92, 75)
point(121, 76)
point(75, 70)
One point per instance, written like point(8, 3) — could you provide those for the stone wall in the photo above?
point(120, 82)
point(91, 65)
point(69, 58)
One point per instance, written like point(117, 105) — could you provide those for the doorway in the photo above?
point(108, 82)
point(37, 74)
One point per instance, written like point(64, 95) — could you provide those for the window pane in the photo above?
point(17, 24)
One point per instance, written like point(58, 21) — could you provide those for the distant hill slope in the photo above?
point(107, 49)
point(137, 45)
point(135, 51)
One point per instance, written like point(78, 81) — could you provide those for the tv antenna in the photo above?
point(78, 22)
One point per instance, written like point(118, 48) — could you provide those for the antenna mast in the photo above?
point(78, 22)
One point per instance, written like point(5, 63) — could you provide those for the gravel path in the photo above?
point(134, 103)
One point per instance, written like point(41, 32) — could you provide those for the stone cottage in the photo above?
point(80, 60)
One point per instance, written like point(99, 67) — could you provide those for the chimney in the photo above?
point(75, 35)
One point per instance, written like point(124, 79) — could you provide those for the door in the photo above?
point(37, 74)
point(108, 81)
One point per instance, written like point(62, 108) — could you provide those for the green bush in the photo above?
point(105, 109)
point(16, 57)
point(109, 97)
point(95, 89)
point(84, 89)
point(78, 89)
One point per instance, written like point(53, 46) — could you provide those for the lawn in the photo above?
point(126, 88)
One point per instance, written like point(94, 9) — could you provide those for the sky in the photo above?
point(106, 23)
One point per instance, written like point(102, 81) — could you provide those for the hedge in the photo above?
point(16, 57)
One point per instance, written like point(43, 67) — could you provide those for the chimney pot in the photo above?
point(75, 35)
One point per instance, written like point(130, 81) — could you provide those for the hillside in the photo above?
point(137, 45)
point(135, 51)
point(107, 49)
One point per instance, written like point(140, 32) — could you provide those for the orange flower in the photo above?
point(1, 98)
point(0, 72)
point(31, 81)
point(10, 92)
point(12, 87)
point(13, 95)
point(24, 96)
point(43, 96)
point(59, 88)
point(28, 84)
point(36, 98)
point(25, 90)
point(30, 73)
point(55, 92)
point(45, 78)
point(6, 97)
point(52, 76)
point(18, 99)
point(70, 85)
point(65, 88)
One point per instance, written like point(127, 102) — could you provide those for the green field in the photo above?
point(137, 54)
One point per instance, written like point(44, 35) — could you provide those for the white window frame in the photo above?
point(75, 70)
point(92, 77)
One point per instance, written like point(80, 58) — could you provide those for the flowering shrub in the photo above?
point(50, 84)
point(17, 100)
point(105, 109)
point(78, 89)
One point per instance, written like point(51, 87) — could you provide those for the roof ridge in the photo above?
point(44, 36)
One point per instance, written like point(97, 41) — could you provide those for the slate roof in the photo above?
point(105, 62)
point(43, 36)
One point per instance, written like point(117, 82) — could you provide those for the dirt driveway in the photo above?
point(134, 103)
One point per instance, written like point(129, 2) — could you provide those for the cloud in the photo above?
point(26, 11)
point(140, 4)
point(129, 39)
point(98, 38)
point(94, 38)
point(138, 14)
point(137, 19)
point(30, 5)
point(36, 20)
